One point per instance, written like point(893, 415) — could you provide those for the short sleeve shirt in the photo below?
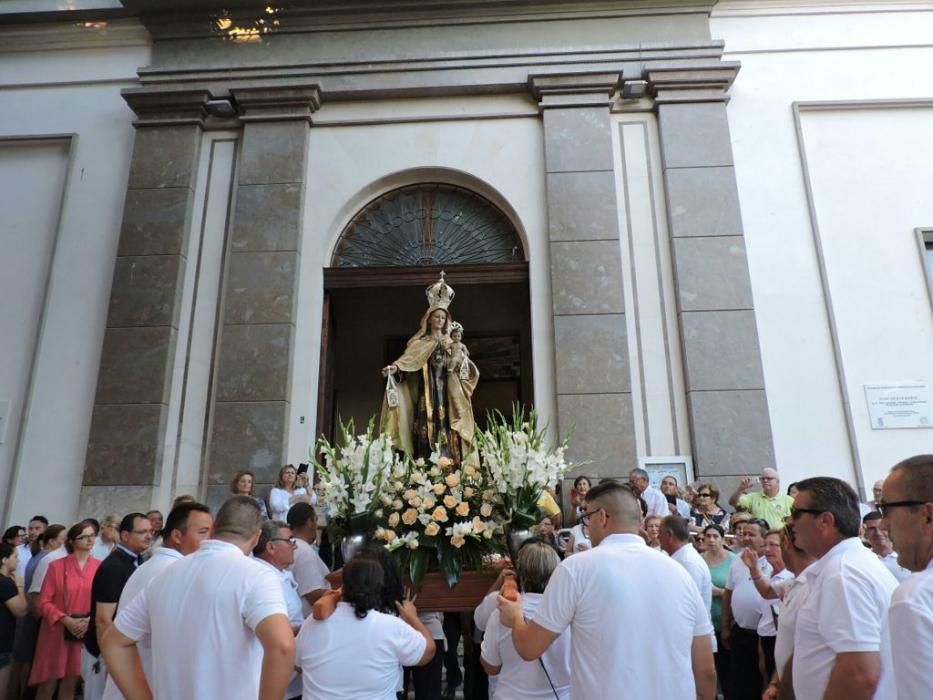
point(746, 600)
point(310, 572)
point(587, 589)
point(850, 591)
point(111, 577)
point(775, 510)
point(911, 634)
point(327, 650)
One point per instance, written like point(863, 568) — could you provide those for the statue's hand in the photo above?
point(391, 369)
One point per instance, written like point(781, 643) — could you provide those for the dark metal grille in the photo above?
point(429, 224)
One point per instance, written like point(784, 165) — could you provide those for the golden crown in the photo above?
point(439, 294)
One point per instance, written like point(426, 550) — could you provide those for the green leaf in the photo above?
point(417, 565)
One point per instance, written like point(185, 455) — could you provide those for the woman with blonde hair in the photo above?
point(547, 677)
point(65, 606)
point(287, 493)
point(244, 481)
point(107, 538)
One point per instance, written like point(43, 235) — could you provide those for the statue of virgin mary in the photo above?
point(430, 407)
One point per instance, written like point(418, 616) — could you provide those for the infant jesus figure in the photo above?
point(459, 355)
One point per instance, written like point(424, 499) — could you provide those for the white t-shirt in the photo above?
point(623, 580)
point(42, 568)
point(345, 658)
point(890, 561)
point(161, 559)
point(792, 599)
point(850, 590)
point(746, 600)
point(310, 573)
point(579, 537)
point(696, 566)
point(484, 610)
point(279, 501)
point(526, 680)
point(911, 635)
point(202, 613)
point(656, 502)
point(771, 607)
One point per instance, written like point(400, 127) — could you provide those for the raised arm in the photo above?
point(744, 485)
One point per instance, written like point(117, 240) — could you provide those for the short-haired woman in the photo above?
point(65, 606)
point(356, 652)
point(706, 510)
point(287, 493)
point(244, 481)
point(547, 677)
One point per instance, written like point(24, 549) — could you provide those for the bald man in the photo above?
point(608, 611)
point(769, 504)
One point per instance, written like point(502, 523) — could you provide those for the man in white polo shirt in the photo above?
point(218, 622)
point(675, 540)
point(187, 526)
point(308, 569)
point(742, 606)
point(654, 499)
point(837, 641)
point(604, 595)
point(907, 505)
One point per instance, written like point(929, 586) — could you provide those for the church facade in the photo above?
point(695, 234)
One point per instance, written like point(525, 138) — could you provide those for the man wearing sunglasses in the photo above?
point(837, 641)
point(907, 506)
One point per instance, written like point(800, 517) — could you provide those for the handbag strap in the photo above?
point(544, 668)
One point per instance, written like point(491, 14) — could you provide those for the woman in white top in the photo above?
point(286, 493)
point(545, 678)
point(107, 538)
point(356, 652)
point(579, 539)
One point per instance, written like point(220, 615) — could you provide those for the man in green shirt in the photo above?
point(768, 504)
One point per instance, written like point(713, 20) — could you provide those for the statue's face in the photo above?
point(456, 336)
point(438, 320)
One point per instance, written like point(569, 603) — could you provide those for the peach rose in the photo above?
point(445, 462)
point(452, 480)
point(439, 489)
point(393, 520)
point(389, 535)
point(431, 529)
point(485, 510)
point(457, 541)
point(440, 514)
point(428, 503)
point(468, 492)
point(478, 524)
point(414, 501)
point(410, 516)
point(463, 509)
point(450, 501)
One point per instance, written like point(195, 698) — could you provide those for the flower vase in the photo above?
point(353, 544)
point(514, 539)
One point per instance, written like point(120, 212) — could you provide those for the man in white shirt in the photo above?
point(276, 549)
point(670, 489)
point(37, 525)
point(309, 570)
point(877, 537)
point(675, 540)
point(837, 641)
point(218, 622)
point(604, 594)
point(741, 614)
point(187, 526)
point(907, 505)
point(654, 499)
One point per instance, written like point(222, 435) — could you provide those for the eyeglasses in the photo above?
point(795, 513)
point(767, 478)
point(704, 495)
point(293, 541)
point(585, 517)
point(883, 507)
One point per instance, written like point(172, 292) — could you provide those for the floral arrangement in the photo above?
point(353, 475)
point(439, 512)
point(520, 466)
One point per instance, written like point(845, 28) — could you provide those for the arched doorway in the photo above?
point(387, 254)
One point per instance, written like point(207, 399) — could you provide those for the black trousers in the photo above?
point(723, 658)
point(426, 680)
point(746, 680)
point(767, 649)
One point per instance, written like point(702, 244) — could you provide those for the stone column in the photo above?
point(726, 401)
point(591, 352)
point(254, 358)
point(124, 453)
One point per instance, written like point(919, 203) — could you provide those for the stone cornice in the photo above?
point(172, 106)
point(276, 104)
point(578, 89)
point(97, 33)
point(708, 82)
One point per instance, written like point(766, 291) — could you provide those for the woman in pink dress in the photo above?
point(66, 593)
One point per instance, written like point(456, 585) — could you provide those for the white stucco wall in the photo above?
point(840, 298)
point(72, 93)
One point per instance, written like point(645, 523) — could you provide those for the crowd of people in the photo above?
point(805, 593)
